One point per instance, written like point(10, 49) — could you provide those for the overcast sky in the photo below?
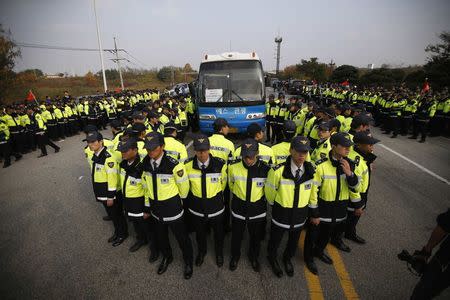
point(175, 32)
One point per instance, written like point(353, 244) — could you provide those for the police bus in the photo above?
point(230, 86)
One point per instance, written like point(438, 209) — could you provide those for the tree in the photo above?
point(438, 67)
point(345, 72)
point(312, 69)
point(36, 72)
point(8, 53)
point(165, 74)
point(90, 79)
point(109, 73)
point(415, 79)
point(187, 68)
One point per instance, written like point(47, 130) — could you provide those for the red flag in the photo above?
point(345, 83)
point(30, 96)
point(426, 86)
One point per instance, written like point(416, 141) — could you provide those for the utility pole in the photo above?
point(117, 61)
point(278, 40)
point(100, 49)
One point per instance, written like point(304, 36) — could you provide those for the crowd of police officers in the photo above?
point(315, 176)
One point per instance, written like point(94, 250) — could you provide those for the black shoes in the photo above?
point(219, 260)
point(42, 155)
point(311, 265)
point(19, 157)
point(138, 244)
point(233, 263)
point(107, 218)
point(118, 241)
point(412, 137)
point(356, 238)
point(255, 265)
point(188, 271)
point(288, 267)
point(341, 245)
point(199, 259)
point(57, 150)
point(275, 267)
point(325, 258)
point(5, 165)
point(153, 257)
point(164, 264)
point(113, 238)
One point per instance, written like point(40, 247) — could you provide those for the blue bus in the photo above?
point(231, 86)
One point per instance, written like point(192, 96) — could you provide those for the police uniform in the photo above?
point(248, 204)
point(174, 147)
point(167, 185)
point(292, 192)
point(333, 200)
point(205, 201)
point(363, 169)
point(105, 181)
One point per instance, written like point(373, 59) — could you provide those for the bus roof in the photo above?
point(229, 56)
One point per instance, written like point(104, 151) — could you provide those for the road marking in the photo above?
point(189, 144)
point(315, 290)
point(344, 277)
point(416, 164)
point(81, 177)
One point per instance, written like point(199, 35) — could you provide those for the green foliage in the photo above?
point(438, 67)
point(8, 53)
point(165, 74)
point(345, 72)
point(383, 76)
point(312, 69)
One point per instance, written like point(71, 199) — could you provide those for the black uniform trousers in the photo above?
point(178, 229)
point(255, 229)
point(318, 236)
point(276, 235)
point(201, 225)
point(352, 219)
point(420, 126)
point(17, 142)
point(116, 213)
point(43, 140)
point(6, 152)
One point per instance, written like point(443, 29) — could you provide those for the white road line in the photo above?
point(416, 164)
point(189, 144)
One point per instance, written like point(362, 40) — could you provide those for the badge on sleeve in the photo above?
point(323, 155)
point(111, 164)
point(180, 173)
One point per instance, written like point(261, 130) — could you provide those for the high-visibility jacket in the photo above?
point(165, 188)
point(4, 133)
point(221, 147)
point(265, 153)
point(334, 189)
point(105, 175)
point(247, 187)
point(321, 151)
point(175, 149)
point(132, 188)
point(206, 187)
point(282, 150)
point(291, 197)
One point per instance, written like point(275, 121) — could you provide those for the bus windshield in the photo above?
point(231, 81)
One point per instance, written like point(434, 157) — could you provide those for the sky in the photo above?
point(176, 32)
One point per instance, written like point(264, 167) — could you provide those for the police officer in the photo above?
point(292, 192)
point(37, 125)
point(133, 193)
point(222, 148)
point(105, 180)
point(167, 185)
point(265, 153)
point(281, 150)
point(173, 147)
point(246, 178)
point(335, 177)
point(363, 158)
point(271, 111)
point(5, 146)
point(207, 177)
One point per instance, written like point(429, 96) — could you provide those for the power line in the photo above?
point(41, 46)
point(136, 59)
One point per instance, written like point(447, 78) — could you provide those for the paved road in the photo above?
point(53, 241)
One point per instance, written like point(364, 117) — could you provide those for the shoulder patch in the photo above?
point(357, 160)
point(321, 161)
point(323, 155)
point(180, 173)
point(325, 145)
point(111, 164)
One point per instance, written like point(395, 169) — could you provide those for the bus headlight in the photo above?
point(207, 117)
point(255, 116)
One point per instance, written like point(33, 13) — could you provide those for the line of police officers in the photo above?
point(316, 177)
